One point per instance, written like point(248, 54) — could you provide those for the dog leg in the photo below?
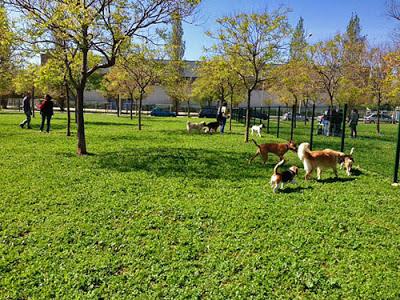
point(255, 155)
point(335, 171)
point(308, 175)
point(281, 186)
point(275, 187)
point(319, 173)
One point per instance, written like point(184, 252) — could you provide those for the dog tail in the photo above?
point(278, 165)
point(303, 151)
point(255, 143)
point(351, 151)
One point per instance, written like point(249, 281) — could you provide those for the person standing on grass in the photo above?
point(46, 111)
point(26, 102)
point(353, 122)
point(222, 116)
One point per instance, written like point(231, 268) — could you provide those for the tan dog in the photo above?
point(278, 149)
point(319, 160)
point(347, 162)
point(278, 179)
point(195, 126)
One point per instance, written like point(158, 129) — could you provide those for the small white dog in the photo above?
point(195, 126)
point(257, 129)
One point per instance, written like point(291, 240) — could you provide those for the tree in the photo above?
point(6, 67)
point(298, 43)
point(353, 84)
point(173, 79)
point(217, 80)
point(377, 79)
point(98, 26)
point(327, 61)
point(252, 43)
point(143, 68)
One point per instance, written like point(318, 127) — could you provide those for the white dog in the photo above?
point(257, 129)
point(195, 126)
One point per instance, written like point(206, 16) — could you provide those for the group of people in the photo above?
point(331, 122)
point(45, 108)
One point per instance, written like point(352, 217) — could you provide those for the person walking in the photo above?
point(26, 102)
point(46, 111)
point(222, 116)
point(353, 122)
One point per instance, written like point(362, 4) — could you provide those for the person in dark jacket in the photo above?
point(353, 121)
point(26, 102)
point(46, 111)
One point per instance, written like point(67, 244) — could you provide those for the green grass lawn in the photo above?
point(164, 214)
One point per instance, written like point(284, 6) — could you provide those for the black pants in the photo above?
point(44, 118)
point(353, 131)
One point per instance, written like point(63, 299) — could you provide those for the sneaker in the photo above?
point(21, 125)
point(29, 127)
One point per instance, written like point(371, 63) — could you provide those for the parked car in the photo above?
point(288, 116)
point(162, 112)
point(259, 115)
point(373, 118)
point(208, 112)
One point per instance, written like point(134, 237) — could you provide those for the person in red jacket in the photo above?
point(46, 111)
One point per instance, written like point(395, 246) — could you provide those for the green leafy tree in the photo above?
point(6, 66)
point(98, 26)
point(144, 69)
point(353, 84)
point(173, 79)
point(327, 62)
point(253, 43)
point(298, 43)
point(378, 78)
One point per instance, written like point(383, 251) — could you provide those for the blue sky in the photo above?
point(322, 18)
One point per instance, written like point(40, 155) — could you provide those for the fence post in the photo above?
point(292, 123)
point(261, 114)
point(343, 127)
point(396, 162)
point(279, 118)
point(253, 114)
point(269, 116)
point(312, 126)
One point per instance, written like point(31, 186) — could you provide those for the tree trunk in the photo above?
point(131, 106)
point(248, 116)
point(68, 107)
point(176, 103)
point(117, 104)
point(378, 119)
point(230, 112)
point(140, 111)
point(80, 122)
point(305, 112)
point(33, 101)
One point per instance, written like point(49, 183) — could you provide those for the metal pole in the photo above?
point(396, 162)
point(279, 117)
point(269, 114)
point(261, 114)
point(292, 123)
point(343, 127)
point(312, 127)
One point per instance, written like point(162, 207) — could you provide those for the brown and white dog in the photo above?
point(278, 179)
point(195, 126)
point(278, 149)
point(347, 162)
point(319, 160)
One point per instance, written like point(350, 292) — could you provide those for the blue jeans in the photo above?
point(27, 121)
point(45, 118)
point(223, 122)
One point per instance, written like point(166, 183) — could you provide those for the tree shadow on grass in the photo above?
point(188, 163)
